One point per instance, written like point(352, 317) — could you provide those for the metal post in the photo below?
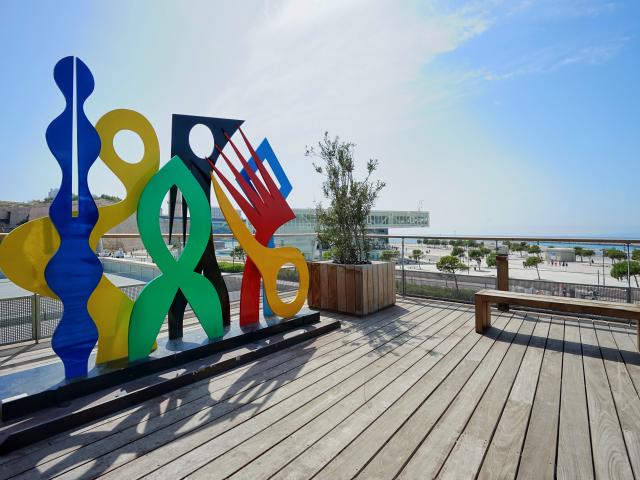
point(629, 273)
point(402, 266)
point(604, 273)
point(35, 317)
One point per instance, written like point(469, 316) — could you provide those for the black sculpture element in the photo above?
point(181, 126)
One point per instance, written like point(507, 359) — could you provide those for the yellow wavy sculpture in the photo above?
point(25, 252)
point(268, 260)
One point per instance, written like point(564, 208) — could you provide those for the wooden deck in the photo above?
point(411, 392)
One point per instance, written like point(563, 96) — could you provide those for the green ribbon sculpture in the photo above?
point(155, 299)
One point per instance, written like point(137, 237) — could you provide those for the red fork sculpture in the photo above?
point(266, 209)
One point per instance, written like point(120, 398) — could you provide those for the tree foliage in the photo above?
point(457, 251)
point(389, 255)
point(491, 259)
point(417, 255)
point(534, 249)
point(533, 261)
point(238, 252)
point(451, 264)
point(621, 270)
point(342, 224)
point(635, 255)
point(614, 254)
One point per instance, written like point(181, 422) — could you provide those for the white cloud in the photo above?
point(554, 58)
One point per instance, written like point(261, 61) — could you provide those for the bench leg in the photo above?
point(483, 315)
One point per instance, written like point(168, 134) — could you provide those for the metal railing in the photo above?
point(31, 318)
point(34, 317)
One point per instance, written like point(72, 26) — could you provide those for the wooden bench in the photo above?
point(484, 299)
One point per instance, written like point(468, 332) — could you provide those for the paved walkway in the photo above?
point(411, 392)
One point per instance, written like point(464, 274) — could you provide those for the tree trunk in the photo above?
point(538, 272)
point(455, 278)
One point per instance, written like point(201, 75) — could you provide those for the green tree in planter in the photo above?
point(620, 270)
point(451, 264)
point(342, 224)
point(491, 259)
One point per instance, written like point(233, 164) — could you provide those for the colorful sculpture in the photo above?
point(74, 271)
point(181, 126)
point(154, 300)
point(266, 154)
point(27, 250)
point(266, 209)
point(55, 256)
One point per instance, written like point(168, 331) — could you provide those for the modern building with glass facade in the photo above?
point(379, 222)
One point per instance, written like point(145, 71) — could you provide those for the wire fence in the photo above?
point(463, 287)
point(34, 317)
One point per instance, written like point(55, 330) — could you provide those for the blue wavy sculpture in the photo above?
point(74, 271)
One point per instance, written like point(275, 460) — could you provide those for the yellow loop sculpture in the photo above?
point(109, 307)
point(268, 260)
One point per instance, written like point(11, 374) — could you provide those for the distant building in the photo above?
point(379, 223)
point(559, 254)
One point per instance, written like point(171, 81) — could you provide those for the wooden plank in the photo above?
point(382, 271)
point(332, 284)
point(466, 457)
point(200, 453)
point(357, 276)
point(253, 391)
point(372, 281)
point(503, 455)
point(289, 437)
point(379, 301)
point(624, 393)
point(275, 364)
point(314, 284)
point(340, 283)
point(610, 458)
point(324, 285)
point(538, 458)
point(626, 345)
point(574, 305)
point(308, 463)
point(367, 298)
point(574, 443)
point(431, 454)
point(391, 287)
point(350, 288)
point(353, 458)
point(402, 444)
point(160, 447)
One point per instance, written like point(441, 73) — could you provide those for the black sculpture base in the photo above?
point(46, 406)
point(31, 390)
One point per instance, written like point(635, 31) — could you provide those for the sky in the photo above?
point(515, 117)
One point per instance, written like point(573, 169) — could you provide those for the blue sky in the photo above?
point(514, 117)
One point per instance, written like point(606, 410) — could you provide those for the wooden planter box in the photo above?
point(354, 289)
